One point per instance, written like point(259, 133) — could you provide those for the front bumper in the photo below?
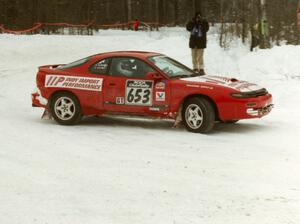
point(259, 112)
point(248, 108)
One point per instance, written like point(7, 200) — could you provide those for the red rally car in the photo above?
point(145, 84)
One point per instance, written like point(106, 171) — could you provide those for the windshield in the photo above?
point(171, 67)
point(74, 64)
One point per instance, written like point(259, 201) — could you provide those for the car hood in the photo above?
point(242, 86)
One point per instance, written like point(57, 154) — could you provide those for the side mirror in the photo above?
point(153, 75)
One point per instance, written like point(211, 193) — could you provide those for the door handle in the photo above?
point(111, 84)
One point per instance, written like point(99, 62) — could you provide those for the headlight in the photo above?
point(238, 95)
point(251, 94)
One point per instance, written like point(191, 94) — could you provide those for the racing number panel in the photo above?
point(139, 92)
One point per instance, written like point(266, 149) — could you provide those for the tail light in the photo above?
point(40, 79)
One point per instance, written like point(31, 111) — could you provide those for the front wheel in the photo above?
point(65, 108)
point(198, 115)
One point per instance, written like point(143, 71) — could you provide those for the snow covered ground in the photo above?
point(133, 171)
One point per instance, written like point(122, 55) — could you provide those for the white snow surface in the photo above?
point(140, 171)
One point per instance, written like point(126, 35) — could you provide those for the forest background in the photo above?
point(272, 21)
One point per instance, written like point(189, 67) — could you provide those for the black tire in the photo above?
point(198, 115)
point(65, 108)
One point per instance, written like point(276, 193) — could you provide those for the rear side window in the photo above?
point(74, 64)
point(100, 67)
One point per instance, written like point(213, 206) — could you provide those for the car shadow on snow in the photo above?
point(162, 124)
point(130, 122)
point(239, 127)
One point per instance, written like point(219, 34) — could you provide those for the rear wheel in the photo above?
point(198, 115)
point(65, 108)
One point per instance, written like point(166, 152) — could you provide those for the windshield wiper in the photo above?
point(184, 76)
point(180, 76)
point(195, 75)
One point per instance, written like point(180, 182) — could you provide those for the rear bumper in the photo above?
point(38, 100)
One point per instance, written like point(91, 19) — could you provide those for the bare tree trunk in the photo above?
point(157, 11)
point(198, 5)
point(298, 11)
point(107, 11)
point(193, 7)
point(264, 24)
point(222, 24)
point(244, 28)
point(176, 12)
point(298, 23)
point(3, 12)
point(163, 17)
point(259, 13)
point(129, 10)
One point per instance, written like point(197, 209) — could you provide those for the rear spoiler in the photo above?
point(49, 66)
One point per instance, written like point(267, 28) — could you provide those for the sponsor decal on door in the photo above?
point(160, 96)
point(74, 82)
point(160, 85)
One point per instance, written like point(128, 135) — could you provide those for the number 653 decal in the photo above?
point(139, 92)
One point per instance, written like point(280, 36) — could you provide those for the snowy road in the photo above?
point(120, 170)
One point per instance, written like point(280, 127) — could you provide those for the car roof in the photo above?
point(137, 54)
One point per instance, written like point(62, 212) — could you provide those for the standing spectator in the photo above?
point(198, 28)
point(136, 25)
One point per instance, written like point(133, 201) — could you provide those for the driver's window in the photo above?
point(129, 67)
